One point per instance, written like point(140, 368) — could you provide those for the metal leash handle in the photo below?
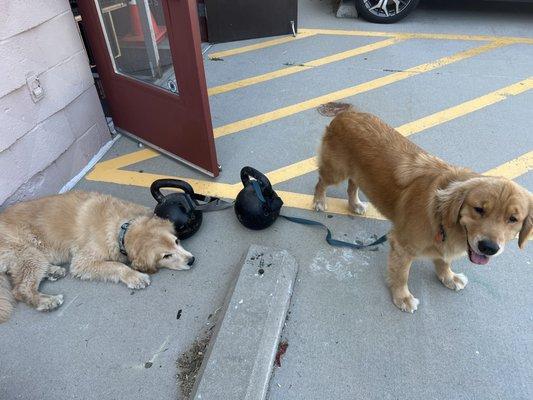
point(335, 242)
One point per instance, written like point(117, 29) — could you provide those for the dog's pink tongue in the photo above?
point(477, 258)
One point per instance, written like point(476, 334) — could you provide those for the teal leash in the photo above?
point(335, 242)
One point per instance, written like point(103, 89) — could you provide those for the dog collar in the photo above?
point(121, 235)
point(441, 234)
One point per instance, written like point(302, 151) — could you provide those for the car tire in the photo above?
point(378, 15)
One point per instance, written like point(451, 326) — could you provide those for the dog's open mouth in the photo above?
point(475, 257)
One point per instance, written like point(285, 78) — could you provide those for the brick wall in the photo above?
point(44, 144)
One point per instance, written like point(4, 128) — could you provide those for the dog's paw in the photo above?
point(136, 280)
point(49, 302)
point(456, 282)
point(406, 303)
point(359, 208)
point(319, 205)
point(55, 273)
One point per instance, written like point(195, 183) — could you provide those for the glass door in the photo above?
point(148, 56)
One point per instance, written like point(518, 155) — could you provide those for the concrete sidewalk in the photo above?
point(346, 339)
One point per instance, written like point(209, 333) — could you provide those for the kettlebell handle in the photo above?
point(248, 172)
point(156, 186)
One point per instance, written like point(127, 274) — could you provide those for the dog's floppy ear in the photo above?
point(527, 226)
point(144, 266)
point(450, 201)
point(144, 261)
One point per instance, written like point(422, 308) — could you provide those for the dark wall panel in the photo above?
point(229, 20)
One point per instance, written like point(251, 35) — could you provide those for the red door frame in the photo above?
point(179, 125)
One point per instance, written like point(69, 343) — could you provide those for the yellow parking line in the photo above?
point(335, 205)
point(134, 178)
point(344, 32)
point(261, 45)
point(352, 91)
point(292, 171)
point(510, 170)
point(435, 36)
point(309, 165)
point(466, 107)
point(303, 67)
point(308, 32)
point(514, 168)
point(127, 159)
point(108, 171)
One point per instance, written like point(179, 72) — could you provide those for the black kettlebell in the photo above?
point(257, 205)
point(180, 208)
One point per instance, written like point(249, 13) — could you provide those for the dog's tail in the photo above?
point(6, 298)
point(333, 108)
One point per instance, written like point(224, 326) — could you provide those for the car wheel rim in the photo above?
point(386, 8)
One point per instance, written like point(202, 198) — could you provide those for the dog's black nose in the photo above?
point(191, 261)
point(487, 247)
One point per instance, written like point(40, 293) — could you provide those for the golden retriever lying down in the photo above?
point(82, 228)
point(438, 211)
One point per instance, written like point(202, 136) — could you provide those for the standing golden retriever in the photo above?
point(438, 211)
point(98, 234)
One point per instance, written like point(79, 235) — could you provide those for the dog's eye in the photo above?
point(167, 256)
point(479, 210)
point(177, 241)
point(512, 219)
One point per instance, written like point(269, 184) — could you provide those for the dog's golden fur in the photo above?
point(80, 228)
point(420, 193)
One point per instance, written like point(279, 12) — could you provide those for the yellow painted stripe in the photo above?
point(134, 178)
point(310, 164)
point(224, 190)
point(511, 169)
point(108, 171)
point(291, 171)
point(127, 159)
point(514, 168)
point(435, 36)
point(261, 45)
point(352, 91)
point(335, 205)
point(345, 32)
point(299, 68)
point(466, 107)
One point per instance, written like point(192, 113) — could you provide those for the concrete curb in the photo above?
point(92, 162)
point(239, 361)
